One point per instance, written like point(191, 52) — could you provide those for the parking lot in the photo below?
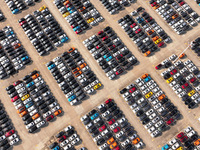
point(110, 88)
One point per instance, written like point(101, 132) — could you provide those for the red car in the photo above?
point(184, 85)
point(100, 32)
point(102, 128)
point(173, 72)
point(68, 5)
point(192, 80)
point(108, 101)
point(183, 139)
point(15, 98)
point(116, 148)
point(9, 133)
point(160, 44)
point(149, 19)
point(104, 38)
point(23, 22)
point(78, 31)
point(133, 25)
point(170, 121)
point(17, 83)
point(118, 72)
point(153, 4)
point(180, 135)
point(138, 31)
point(117, 129)
point(49, 118)
point(158, 66)
point(182, 3)
point(132, 90)
point(64, 137)
point(111, 121)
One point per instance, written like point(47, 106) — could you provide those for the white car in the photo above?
point(105, 113)
point(138, 80)
point(157, 106)
point(65, 142)
point(159, 123)
point(104, 132)
point(176, 145)
point(67, 147)
point(75, 141)
point(179, 90)
point(173, 83)
point(139, 145)
point(149, 112)
point(153, 115)
point(173, 141)
point(141, 100)
point(191, 133)
point(68, 128)
point(127, 141)
point(72, 137)
point(155, 90)
point(195, 96)
point(3, 137)
point(114, 125)
point(97, 137)
point(148, 125)
point(156, 119)
point(156, 101)
point(40, 124)
point(155, 133)
point(37, 120)
point(30, 125)
point(150, 82)
point(118, 135)
point(173, 57)
point(16, 140)
point(48, 113)
point(182, 94)
point(102, 147)
point(188, 129)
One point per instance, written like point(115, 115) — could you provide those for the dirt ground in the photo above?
point(111, 88)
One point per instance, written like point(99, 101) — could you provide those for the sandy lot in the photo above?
point(111, 88)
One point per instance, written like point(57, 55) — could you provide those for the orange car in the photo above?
point(147, 53)
point(150, 32)
point(78, 73)
point(182, 55)
point(155, 38)
point(21, 109)
point(83, 65)
point(56, 113)
point(81, 9)
point(136, 140)
point(71, 49)
point(161, 97)
point(23, 113)
point(66, 2)
point(197, 142)
point(35, 76)
point(156, 7)
point(36, 116)
point(144, 76)
point(75, 70)
point(17, 45)
point(111, 140)
point(113, 145)
point(175, 16)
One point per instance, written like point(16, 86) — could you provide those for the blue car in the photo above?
point(76, 28)
point(140, 20)
point(56, 148)
point(165, 147)
point(30, 84)
point(51, 66)
point(24, 58)
point(72, 98)
point(64, 39)
point(15, 11)
point(107, 55)
point(70, 8)
point(94, 116)
point(29, 104)
point(109, 58)
point(71, 11)
point(147, 79)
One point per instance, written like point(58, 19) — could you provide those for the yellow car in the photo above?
point(191, 93)
point(148, 94)
point(97, 86)
point(90, 20)
point(158, 41)
point(42, 8)
point(170, 80)
point(180, 148)
point(66, 14)
point(25, 97)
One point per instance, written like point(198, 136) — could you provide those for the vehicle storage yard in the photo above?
point(110, 88)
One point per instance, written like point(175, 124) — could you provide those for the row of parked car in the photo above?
point(178, 14)
point(150, 104)
point(13, 56)
point(114, 6)
point(183, 79)
point(2, 17)
point(33, 101)
point(187, 139)
point(17, 6)
point(110, 52)
point(66, 139)
point(8, 135)
point(110, 129)
point(195, 46)
point(151, 27)
point(143, 41)
point(43, 31)
point(74, 76)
